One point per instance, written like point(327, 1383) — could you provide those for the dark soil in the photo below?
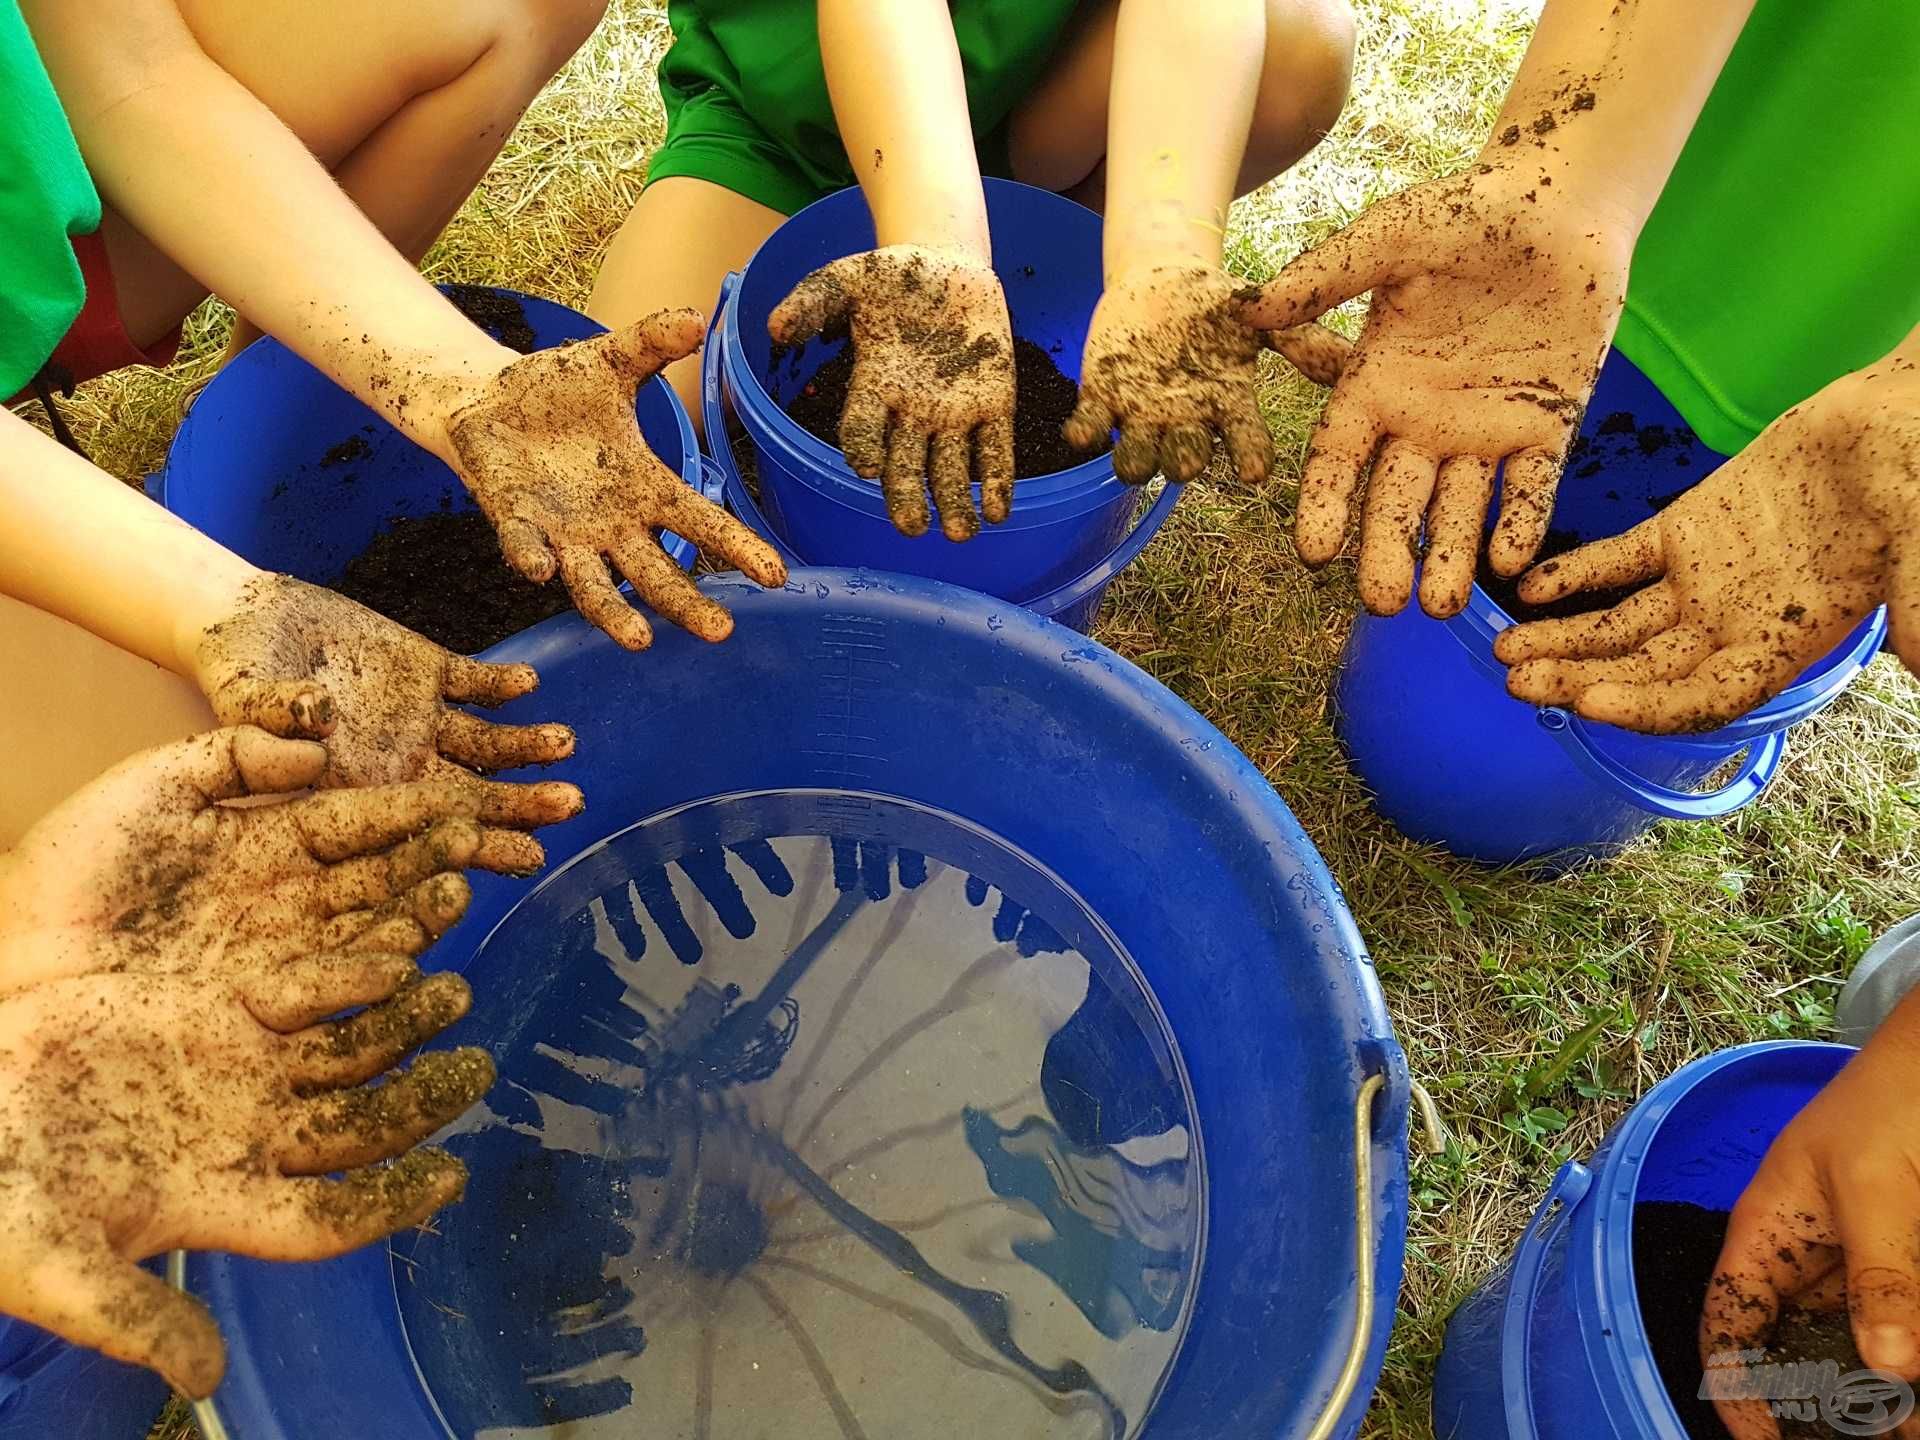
point(354, 447)
point(1504, 591)
point(1620, 441)
point(1044, 399)
point(501, 316)
point(1675, 1247)
point(443, 576)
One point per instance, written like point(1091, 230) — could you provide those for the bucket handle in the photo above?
point(1563, 1197)
point(1356, 1359)
point(205, 1416)
point(1756, 772)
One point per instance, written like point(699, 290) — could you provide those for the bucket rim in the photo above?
point(1625, 1348)
point(824, 460)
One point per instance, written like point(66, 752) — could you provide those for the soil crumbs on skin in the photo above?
point(1675, 1247)
point(443, 576)
point(1046, 399)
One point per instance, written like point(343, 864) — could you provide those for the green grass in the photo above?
point(1536, 1010)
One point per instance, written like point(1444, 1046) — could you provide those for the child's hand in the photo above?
point(1495, 296)
point(306, 663)
point(1832, 1219)
point(932, 371)
point(1768, 563)
point(552, 453)
point(141, 1114)
point(146, 871)
point(1170, 362)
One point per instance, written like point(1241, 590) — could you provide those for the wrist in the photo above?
point(1568, 169)
point(449, 379)
point(222, 586)
point(1163, 236)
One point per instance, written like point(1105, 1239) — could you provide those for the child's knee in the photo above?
point(561, 27)
point(1303, 88)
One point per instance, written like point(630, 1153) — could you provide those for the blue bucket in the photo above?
point(1452, 759)
point(1256, 1318)
point(282, 466)
point(50, 1388)
point(1063, 528)
point(1553, 1345)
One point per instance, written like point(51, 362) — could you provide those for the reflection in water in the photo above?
point(819, 1116)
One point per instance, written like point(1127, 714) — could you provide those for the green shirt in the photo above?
point(746, 92)
point(46, 195)
point(1785, 251)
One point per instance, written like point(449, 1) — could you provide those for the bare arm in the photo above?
point(202, 168)
point(900, 99)
point(1185, 78)
point(1614, 89)
point(83, 546)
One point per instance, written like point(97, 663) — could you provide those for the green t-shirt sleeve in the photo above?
point(46, 196)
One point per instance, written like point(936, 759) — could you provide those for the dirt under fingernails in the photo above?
point(1045, 398)
point(442, 576)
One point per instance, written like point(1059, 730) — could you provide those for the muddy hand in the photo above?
point(141, 1114)
point(1757, 572)
point(553, 454)
point(931, 398)
point(1495, 296)
point(1831, 1219)
point(1170, 365)
point(306, 663)
point(150, 870)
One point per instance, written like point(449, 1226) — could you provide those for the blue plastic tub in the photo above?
point(1062, 527)
point(48, 1388)
point(282, 466)
point(1553, 1347)
point(1252, 1290)
point(1452, 759)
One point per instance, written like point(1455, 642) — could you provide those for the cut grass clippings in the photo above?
point(1535, 1009)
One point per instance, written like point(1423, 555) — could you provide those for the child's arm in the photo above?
point(1168, 361)
point(1496, 294)
point(196, 163)
point(900, 100)
point(81, 545)
point(203, 169)
point(931, 402)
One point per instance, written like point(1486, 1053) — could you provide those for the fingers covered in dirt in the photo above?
point(1494, 299)
point(1830, 1222)
point(302, 661)
point(141, 1114)
point(1750, 577)
point(930, 404)
point(552, 452)
point(1171, 364)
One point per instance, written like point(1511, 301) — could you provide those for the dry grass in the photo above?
point(1700, 937)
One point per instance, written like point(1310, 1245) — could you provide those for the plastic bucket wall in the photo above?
point(1454, 760)
point(1246, 944)
point(49, 1388)
point(1047, 254)
point(281, 465)
point(1552, 1347)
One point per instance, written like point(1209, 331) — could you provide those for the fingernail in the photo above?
point(1890, 1347)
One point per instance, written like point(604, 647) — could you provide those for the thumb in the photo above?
point(226, 764)
point(641, 350)
point(1875, 1225)
point(820, 302)
point(1315, 351)
point(1368, 253)
point(292, 708)
point(92, 1297)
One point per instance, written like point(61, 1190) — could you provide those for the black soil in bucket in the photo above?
point(1044, 398)
point(1619, 438)
point(495, 312)
point(1675, 1247)
point(443, 576)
